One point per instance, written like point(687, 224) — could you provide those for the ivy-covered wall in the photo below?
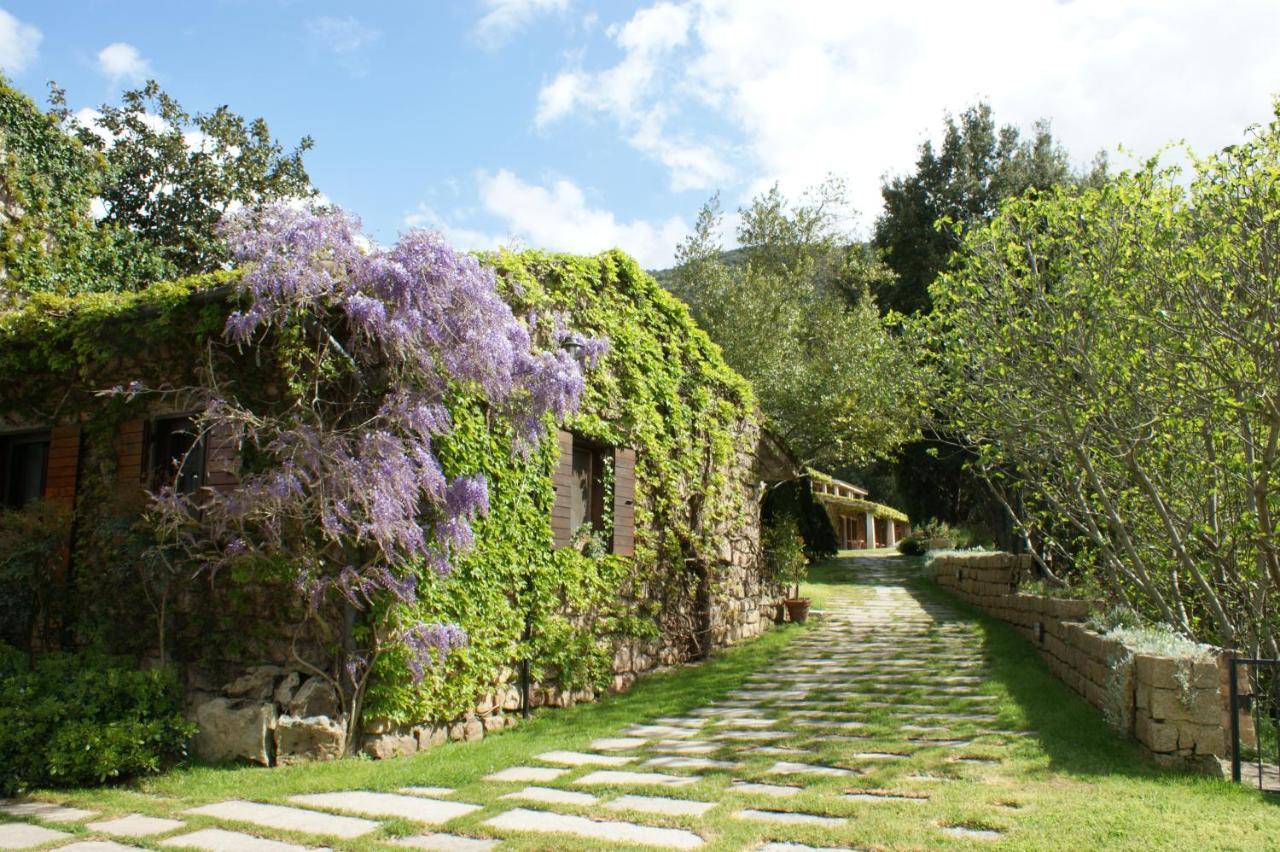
point(586, 621)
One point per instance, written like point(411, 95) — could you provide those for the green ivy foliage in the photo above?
point(662, 389)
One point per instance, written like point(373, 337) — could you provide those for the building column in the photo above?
point(871, 531)
point(892, 528)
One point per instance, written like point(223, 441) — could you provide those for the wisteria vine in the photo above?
point(347, 484)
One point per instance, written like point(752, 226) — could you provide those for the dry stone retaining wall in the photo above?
point(1176, 708)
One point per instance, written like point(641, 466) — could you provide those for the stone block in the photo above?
point(1164, 704)
point(473, 730)
point(316, 697)
point(258, 683)
point(392, 744)
point(1157, 671)
point(1159, 737)
point(494, 723)
point(235, 730)
point(1206, 675)
point(1211, 740)
point(286, 688)
point(299, 740)
point(1206, 707)
point(457, 731)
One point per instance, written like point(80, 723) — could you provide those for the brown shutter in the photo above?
point(63, 464)
point(222, 458)
point(624, 502)
point(130, 449)
point(562, 483)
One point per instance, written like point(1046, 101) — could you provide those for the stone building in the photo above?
point(62, 441)
point(859, 523)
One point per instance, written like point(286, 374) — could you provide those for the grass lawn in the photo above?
point(1063, 781)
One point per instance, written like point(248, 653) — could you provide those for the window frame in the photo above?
point(160, 454)
point(8, 442)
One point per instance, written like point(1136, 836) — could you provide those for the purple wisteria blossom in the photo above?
point(347, 484)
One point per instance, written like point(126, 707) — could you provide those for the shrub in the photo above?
point(913, 545)
point(81, 719)
point(784, 557)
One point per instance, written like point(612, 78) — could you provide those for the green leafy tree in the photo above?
point(1108, 361)
point(798, 320)
point(170, 176)
point(963, 179)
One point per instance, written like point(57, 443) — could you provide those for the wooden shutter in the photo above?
point(222, 458)
point(130, 454)
point(63, 466)
point(562, 483)
point(624, 502)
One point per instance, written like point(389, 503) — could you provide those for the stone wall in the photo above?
point(1176, 708)
point(276, 713)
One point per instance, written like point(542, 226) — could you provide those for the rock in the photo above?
point(473, 730)
point(316, 697)
point(456, 731)
point(511, 701)
point(258, 683)
point(286, 688)
point(486, 703)
point(431, 736)
point(383, 746)
point(493, 723)
point(312, 738)
point(235, 730)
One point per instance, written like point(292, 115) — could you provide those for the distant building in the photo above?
point(859, 523)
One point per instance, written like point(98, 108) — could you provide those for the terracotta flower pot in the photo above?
point(797, 609)
point(779, 613)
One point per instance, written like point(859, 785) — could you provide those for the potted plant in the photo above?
point(786, 563)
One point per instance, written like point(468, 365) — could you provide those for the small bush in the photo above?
point(913, 545)
point(784, 556)
point(81, 719)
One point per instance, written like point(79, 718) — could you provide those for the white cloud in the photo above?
point(631, 92)
point(503, 18)
point(122, 61)
point(817, 86)
point(556, 217)
point(19, 44)
point(341, 35)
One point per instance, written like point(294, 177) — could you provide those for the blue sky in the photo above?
point(578, 126)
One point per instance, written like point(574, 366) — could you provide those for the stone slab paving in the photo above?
point(659, 805)
point(285, 818)
point(434, 792)
point(639, 779)
point(365, 803)
point(790, 817)
point(552, 796)
point(579, 758)
point(97, 846)
point(21, 835)
point(44, 811)
point(220, 840)
point(611, 831)
point(135, 825)
point(526, 774)
point(618, 743)
point(446, 843)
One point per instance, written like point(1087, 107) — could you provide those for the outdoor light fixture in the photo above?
point(571, 344)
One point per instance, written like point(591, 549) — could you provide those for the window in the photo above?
point(580, 494)
point(586, 494)
point(177, 455)
point(24, 465)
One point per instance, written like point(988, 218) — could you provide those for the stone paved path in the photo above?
point(877, 708)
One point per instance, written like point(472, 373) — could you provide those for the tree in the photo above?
point(171, 178)
point(964, 180)
point(346, 493)
point(135, 197)
point(976, 168)
point(1108, 360)
point(798, 321)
